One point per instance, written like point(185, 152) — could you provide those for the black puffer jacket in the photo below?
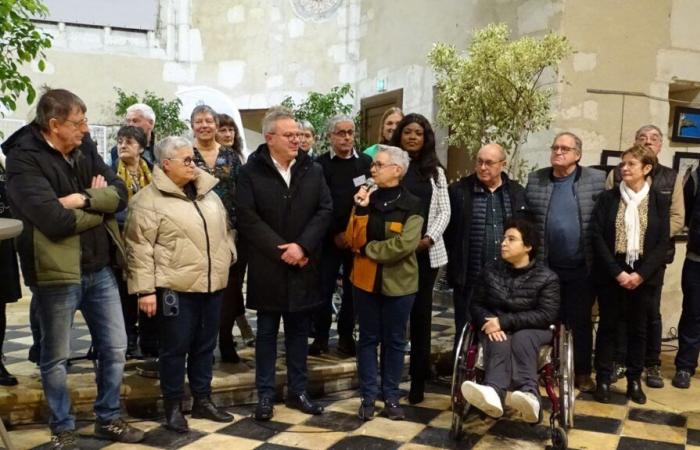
point(520, 298)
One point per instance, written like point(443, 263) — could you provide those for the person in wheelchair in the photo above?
point(514, 302)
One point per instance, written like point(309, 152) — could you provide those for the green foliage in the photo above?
point(168, 121)
point(20, 43)
point(319, 108)
point(496, 93)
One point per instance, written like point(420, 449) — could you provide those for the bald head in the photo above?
point(490, 162)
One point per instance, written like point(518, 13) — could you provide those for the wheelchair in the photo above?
point(556, 372)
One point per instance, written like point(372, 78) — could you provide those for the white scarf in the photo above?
point(632, 228)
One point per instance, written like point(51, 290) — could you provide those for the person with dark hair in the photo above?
point(686, 361)
point(515, 300)
point(425, 178)
point(383, 232)
point(561, 198)
point(134, 171)
point(223, 163)
point(142, 116)
point(630, 232)
point(228, 135)
point(387, 125)
point(10, 290)
point(66, 197)
point(480, 204)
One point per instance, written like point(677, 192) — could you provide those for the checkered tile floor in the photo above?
point(616, 426)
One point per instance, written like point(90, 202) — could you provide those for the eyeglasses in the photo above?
point(288, 136)
point(186, 161)
point(344, 133)
point(78, 123)
point(379, 166)
point(562, 148)
point(489, 164)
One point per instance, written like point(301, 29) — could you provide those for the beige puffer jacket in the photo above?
point(176, 243)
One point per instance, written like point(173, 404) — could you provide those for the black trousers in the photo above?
point(137, 323)
point(232, 304)
point(332, 260)
point(512, 364)
point(635, 308)
point(654, 330)
point(577, 297)
point(689, 325)
point(421, 322)
point(461, 298)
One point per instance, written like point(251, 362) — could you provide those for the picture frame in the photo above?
point(685, 162)
point(610, 158)
point(686, 125)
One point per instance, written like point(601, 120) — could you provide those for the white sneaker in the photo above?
point(527, 405)
point(484, 398)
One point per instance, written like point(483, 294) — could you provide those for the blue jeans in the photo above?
point(296, 335)
point(189, 337)
point(382, 320)
point(97, 297)
point(689, 325)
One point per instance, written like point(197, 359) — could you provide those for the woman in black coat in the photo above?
point(514, 302)
point(630, 232)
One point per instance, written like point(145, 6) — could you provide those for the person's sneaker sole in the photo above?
point(473, 394)
point(524, 405)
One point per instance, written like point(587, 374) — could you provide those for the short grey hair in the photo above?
point(577, 140)
point(306, 125)
point(144, 109)
point(204, 109)
point(273, 115)
point(335, 120)
point(167, 147)
point(646, 128)
point(396, 156)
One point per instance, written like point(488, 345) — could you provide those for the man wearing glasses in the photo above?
point(284, 209)
point(480, 205)
point(561, 198)
point(66, 197)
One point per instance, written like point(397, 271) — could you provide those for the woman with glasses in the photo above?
point(390, 118)
point(133, 169)
point(223, 163)
point(630, 232)
point(514, 301)
point(425, 178)
point(179, 249)
point(383, 232)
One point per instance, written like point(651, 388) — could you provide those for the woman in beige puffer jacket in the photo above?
point(179, 250)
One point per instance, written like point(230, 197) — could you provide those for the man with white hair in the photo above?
point(142, 116)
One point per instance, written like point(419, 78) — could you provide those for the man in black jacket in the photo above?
point(480, 205)
point(66, 197)
point(345, 172)
point(284, 209)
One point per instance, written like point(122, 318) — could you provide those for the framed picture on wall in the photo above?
point(686, 125)
point(685, 162)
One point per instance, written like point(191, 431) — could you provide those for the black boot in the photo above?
point(230, 355)
point(5, 378)
point(602, 392)
point(203, 408)
point(174, 420)
point(635, 393)
point(318, 346)
point(417, 392)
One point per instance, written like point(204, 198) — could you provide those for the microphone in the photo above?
point(370, 185)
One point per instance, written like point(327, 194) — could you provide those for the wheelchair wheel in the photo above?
point(559, 439)
point(566, 379)
point(460, 374)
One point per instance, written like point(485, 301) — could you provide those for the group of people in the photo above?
point(154, 251)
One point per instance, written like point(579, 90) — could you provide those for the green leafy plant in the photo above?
point(167, 112)
point(318, 109)
point(20, 43)
point(496, 92)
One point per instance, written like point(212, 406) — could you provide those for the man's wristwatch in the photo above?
point(86, 199)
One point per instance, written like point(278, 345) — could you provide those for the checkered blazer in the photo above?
point(438, 218)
